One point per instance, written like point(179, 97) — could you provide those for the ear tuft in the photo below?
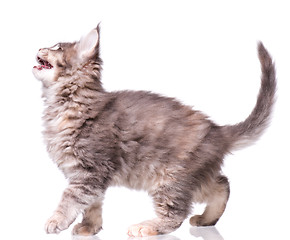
point(89, 44)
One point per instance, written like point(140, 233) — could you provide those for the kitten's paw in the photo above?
point(195, 220)
point(139, 230)
point(56, 224)
point(200, 220)
point(85, 229)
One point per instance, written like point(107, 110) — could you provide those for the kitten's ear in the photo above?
point(88, 46)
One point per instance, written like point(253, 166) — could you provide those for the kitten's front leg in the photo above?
point(75, 199)
point(92, 221)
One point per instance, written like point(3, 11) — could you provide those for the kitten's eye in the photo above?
point(56, 47)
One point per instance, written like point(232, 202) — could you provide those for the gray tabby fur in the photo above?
point(137, 139)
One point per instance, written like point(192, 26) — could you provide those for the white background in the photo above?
point(201, 52)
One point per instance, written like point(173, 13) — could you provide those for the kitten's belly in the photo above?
point(147, 178)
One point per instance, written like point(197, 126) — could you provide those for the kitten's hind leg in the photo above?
point(92, 221)
point(216, 196)
point(172, 206)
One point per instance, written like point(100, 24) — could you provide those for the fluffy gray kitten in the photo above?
point(137, 139)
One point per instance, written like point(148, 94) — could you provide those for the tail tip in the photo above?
point(264, 56)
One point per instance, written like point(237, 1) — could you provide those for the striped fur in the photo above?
point(136, 139)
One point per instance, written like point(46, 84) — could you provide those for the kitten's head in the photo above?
point(68, 59)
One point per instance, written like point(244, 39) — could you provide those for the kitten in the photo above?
point(136, 139)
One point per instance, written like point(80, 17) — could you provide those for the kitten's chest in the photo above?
point(61, 129)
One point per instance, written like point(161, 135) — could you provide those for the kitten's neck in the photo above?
point(70, 100)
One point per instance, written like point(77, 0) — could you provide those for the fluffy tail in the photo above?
point(248, 131)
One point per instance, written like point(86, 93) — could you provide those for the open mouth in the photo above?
point(43, 64)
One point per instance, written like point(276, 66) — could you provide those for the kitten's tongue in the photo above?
point(40, 67)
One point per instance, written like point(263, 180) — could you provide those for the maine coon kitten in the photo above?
point(136, 139)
